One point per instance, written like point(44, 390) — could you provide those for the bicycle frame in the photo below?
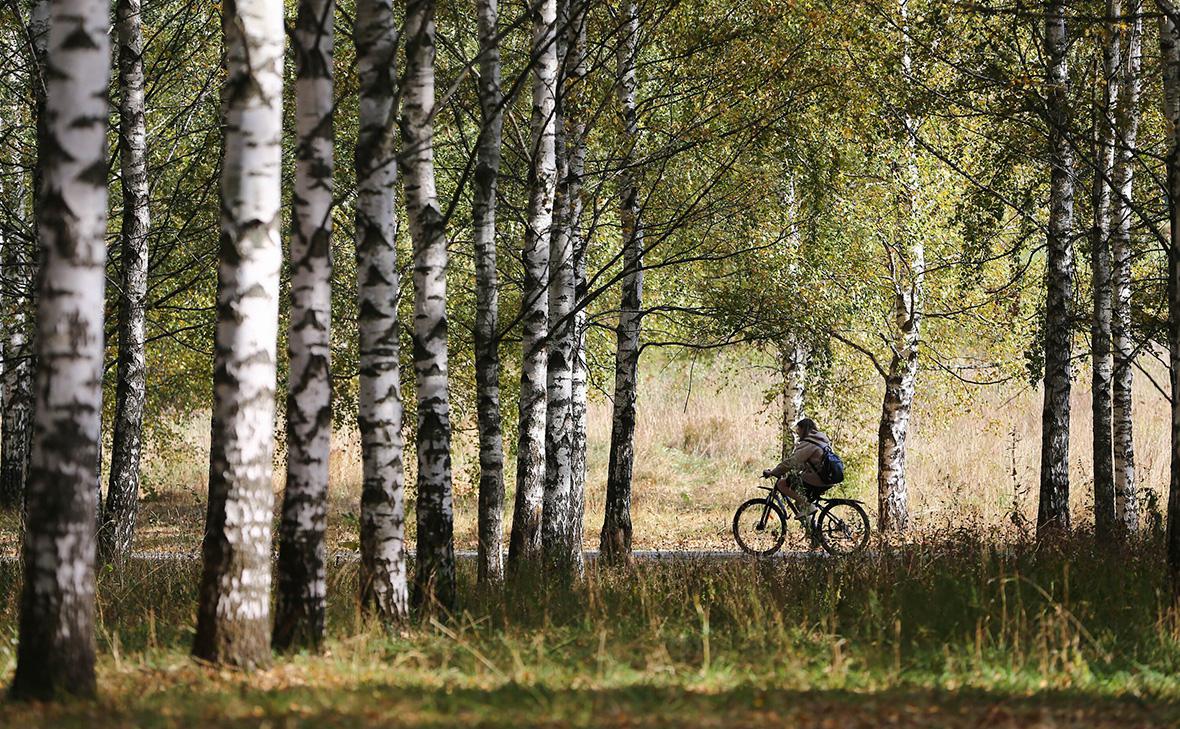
point(776, 498)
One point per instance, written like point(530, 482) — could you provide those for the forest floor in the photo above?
point(965, 624)
point(183, 696)
point(705, 431)
point(959, 633)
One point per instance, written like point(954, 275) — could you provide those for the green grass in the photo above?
point(945, 634)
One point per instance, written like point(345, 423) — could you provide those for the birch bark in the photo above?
point(1100, 268)
point(1053, 508)
point(233, 614)
point(574, 120)
point(434, 577)
point(490, 556)
point(909, 276)
point(615, 538)
point(122, 502)
point(301, 577)
point(18, 390)
point(525, 542)
point(794, 355)
point(18, 385)
point(56, 652)
point(795, 360)
point(1126, 134)
point(580, 391)
point(383, 585)
point(8, 303)
point(557, 513)
point(1170, 56)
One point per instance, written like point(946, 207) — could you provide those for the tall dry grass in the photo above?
point(706, 428)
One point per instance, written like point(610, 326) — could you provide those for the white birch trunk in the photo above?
point(575, 127)
point(795, 360)
point(56, 652)
point(615, 537)
point(525, 542)
point(1126, 134)
point(557, 512)
point(233, 615)
point(1053, 508)
point(383, 585)
point(122, 502)
point(434, 576)
point(1170, 56)
point(7, 243)
point(487, 300)
point(18, 376)
point(301, 579)
point(579, 393)
point(1100, 272)
point(10, 304)
point(20, 348)
point(909, 283)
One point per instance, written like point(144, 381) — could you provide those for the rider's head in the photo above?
point(805, 427)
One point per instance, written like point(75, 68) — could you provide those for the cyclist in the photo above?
point(800, 469)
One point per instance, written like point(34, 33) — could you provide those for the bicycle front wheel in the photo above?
point(843, 528)
point(759, 527)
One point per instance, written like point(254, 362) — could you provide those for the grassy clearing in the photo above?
point(948, 634)
point(966, 626)
point(705, 430)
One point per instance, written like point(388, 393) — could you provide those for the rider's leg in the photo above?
point(806, 508)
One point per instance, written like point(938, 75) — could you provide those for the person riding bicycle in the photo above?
point(801, 469)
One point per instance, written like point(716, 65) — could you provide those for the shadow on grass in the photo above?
point(517, 706)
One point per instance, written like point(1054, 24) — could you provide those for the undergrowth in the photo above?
point(960, 613)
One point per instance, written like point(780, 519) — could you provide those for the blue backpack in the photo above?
point(830, 469)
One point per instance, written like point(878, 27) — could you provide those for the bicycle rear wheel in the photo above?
point(843, 528)
point(759, 527)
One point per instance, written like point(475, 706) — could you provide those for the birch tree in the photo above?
point(908, 276)
point(579, 389)
point(17, 386)
point(1169, 34)
point(573, 120)
point(1100, 269)
point(1126, 119)
point(56, 652)
point(525, 542)
point(301, 576)
point(18, 391)
point(556, 531)
point(14, 388)
point(18, 376)
point(122, 502)
point(434, 577)
point(576, 130)
point(615, 538)
point(233, 614)
point(490, 557)
point(795, 358)
point(379, 417)
point(8, 244)
point(1053, 508)
point(6, 241)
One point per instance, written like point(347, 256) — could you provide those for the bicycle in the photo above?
point(840, 525)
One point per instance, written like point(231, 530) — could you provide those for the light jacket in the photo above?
point(805, 459)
